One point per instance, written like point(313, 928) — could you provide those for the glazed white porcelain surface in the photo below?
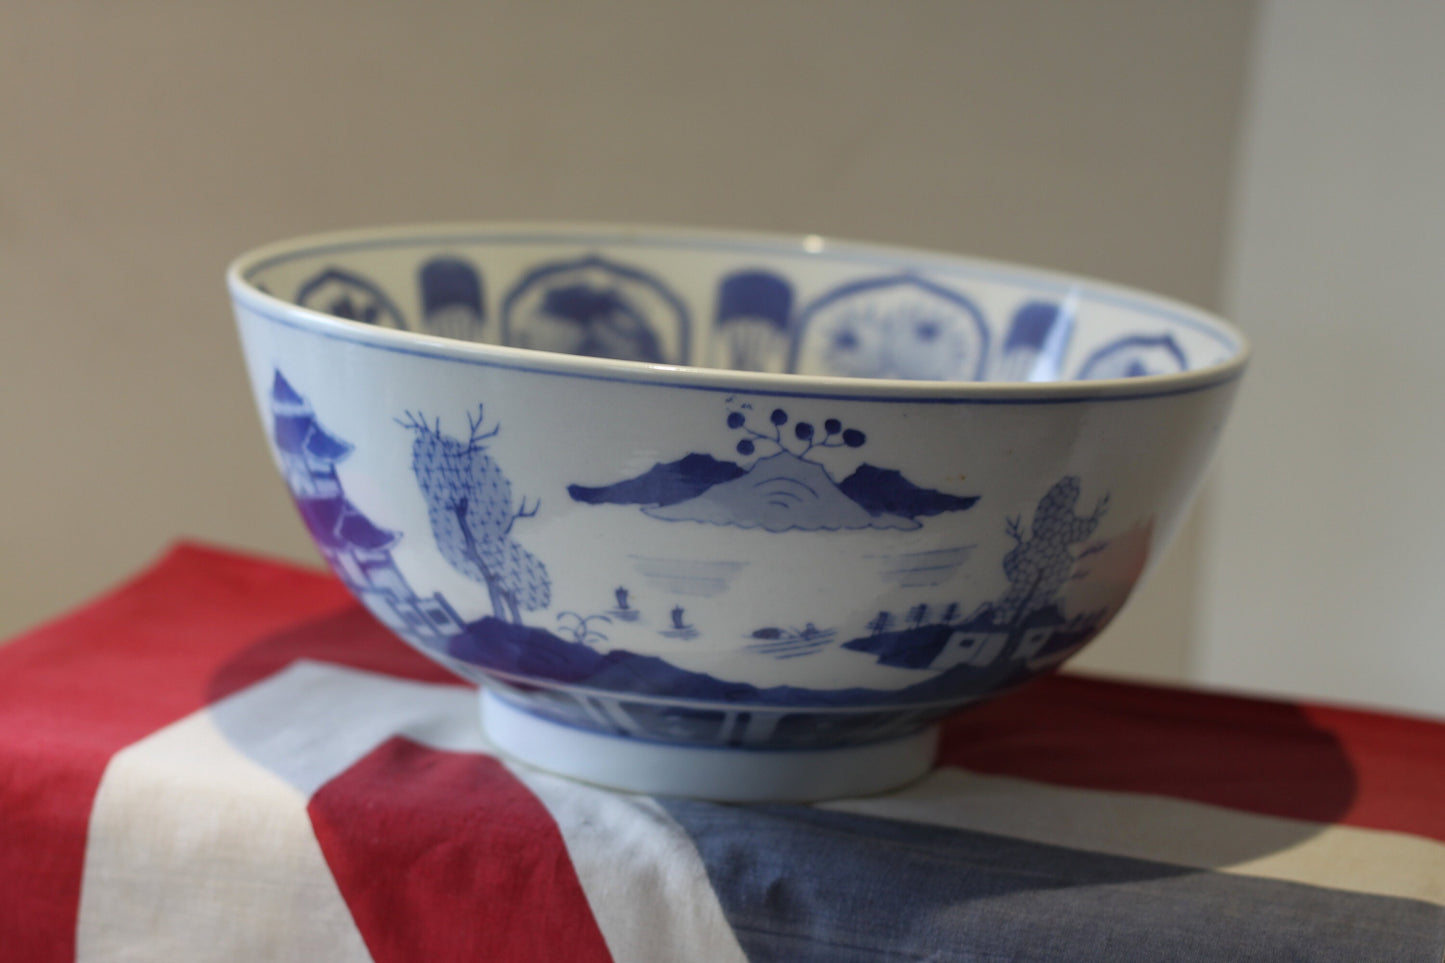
point(530, 451)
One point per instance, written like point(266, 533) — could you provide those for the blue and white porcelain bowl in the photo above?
point(726, 515)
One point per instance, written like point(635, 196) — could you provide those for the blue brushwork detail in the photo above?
point(469, 504)
point(309, 453)
point(561, 674)
point(607, 325)
point(337, 524)
point(961, 273)
point(453, 299)
point(750, 328)
point(679, 723)
point(1042, 560)
point(1000, 645)
point(884, 491)
point(357, 549)
point(755, 294)
point(590, 307)
point(816, 885)
point(911, 648)
point(678, 626)
point(980, 640)
point(583, 629)
point(346, 294)
point(1036, 342)
point(695, 578)
point(263, 311)
point(623, 609)
point(862, 330)
point(736, 725)
point(1027, 622)
point(783, 489)
point(299, 434)
point(791, 643)
point(662, 484)
point(1135, 356)
point(780, 493)
point(514, 649)
point(284, 397)
point(1031, 326)
point(926, 569)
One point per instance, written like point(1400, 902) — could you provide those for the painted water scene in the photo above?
point(669, 627)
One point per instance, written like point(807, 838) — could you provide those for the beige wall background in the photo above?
point(1326, 542)
point(143, 145)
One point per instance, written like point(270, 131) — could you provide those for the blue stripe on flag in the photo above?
point(800, 884)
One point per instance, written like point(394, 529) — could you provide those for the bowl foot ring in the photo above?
point(724, 774)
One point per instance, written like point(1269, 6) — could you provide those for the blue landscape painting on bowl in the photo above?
point(896, 326)
point(778, 486)
point(561, 666)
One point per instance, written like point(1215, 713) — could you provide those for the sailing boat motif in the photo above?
point(680, 628)
point(624, 612)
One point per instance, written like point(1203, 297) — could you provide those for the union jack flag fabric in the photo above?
point(228, 759)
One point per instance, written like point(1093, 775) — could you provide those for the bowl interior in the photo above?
point(745, 303)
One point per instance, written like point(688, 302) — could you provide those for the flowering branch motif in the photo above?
point(805, 435)
point(475, 435)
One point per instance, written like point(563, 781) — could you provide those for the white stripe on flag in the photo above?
point(201, 848)
point(643, 877)
point(313, 721)
point(197, 853)
point(1173, 831)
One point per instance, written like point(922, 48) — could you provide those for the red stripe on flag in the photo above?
point(1400, 760)
point(75, 692)
point(1274, 758)
point(446, 856)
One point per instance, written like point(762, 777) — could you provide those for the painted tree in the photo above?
point(469, 505)
point(1043, 559)
point(918, 615)
point(834, 435)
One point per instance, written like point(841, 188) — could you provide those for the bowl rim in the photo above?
point(907, 260)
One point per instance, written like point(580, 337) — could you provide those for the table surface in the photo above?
point(226, 759)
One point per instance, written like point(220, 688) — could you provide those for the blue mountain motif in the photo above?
point(779, 492)
point(885, 491)
point(668, 484)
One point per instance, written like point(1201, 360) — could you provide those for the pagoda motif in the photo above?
point(356, 548)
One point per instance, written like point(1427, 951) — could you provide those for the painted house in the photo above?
point(1045, 637)
point(1064, 640)
point(1038, 629)
point(307, 452)
point(976, 641)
